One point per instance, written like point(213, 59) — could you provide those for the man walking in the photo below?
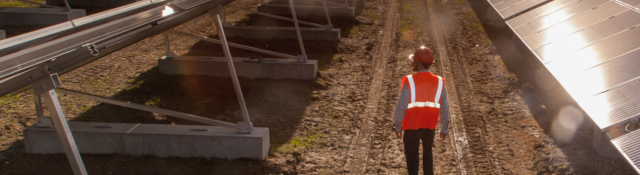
point(422, 98)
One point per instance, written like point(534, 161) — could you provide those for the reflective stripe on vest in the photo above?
point(413, 103)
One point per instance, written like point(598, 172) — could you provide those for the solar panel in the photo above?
point(605, 76)
point(495, 2)
point(559, 16)
point(633, 3)
point(519, 7)
point(596, 53)
point(629, 145)
point(538, 12)
point(613, 107)
point(579, 32)
point(592, 47)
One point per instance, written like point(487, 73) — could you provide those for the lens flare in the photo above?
point(411, 57)
point(566, 124)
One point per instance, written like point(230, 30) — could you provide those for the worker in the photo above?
point(422, 97)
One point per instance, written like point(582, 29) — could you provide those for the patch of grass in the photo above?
point(372, 13)
point(478, 27)
point(406, 7)
point(509, 77)
point(298, 143)
point(353, 31)
point(155, 101)
point(7, 99)
point(325, 60)
point(85, 108)
point(244, 20)
point(13, 3)
point(505, 88)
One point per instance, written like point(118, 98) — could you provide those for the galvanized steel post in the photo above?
point(326, 12)
point(45, 87)
point(245, 127)
point(304, 58)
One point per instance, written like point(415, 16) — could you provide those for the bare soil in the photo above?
point(340, 123)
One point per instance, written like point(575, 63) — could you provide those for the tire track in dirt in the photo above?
point(456, 125)
point(358, 151)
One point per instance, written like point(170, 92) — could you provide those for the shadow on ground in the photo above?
point(279, 105)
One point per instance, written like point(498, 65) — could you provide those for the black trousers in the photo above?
point(411, 141)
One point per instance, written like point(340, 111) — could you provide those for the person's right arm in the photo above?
point(401, 109)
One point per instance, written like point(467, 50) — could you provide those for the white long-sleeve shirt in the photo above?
point(403, 103)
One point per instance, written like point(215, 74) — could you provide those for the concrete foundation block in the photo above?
point(217, 66)
point(3, 34)
point(308, 11)
point(37, 16)
point(264, 32)
point(92, 138)
point(152, 139)
point(602, 144)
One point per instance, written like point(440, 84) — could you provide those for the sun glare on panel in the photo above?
point(167, 11)
point(569, 67)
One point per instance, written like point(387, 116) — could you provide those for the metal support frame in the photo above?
point(326, 12)
point(45, 87)
point(330, 3)
point(169, 54)
point(295, 22)
point(246, 126)
point(42, 121)
point(278, 17)
point(268, 52)
point(149, 109)
point(68, 8)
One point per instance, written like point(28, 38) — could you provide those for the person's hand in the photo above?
point(443, 136)
point(399, 135)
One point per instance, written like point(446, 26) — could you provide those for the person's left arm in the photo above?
point(444, 114)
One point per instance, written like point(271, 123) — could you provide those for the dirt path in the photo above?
point(359, 149)
point(458, 134)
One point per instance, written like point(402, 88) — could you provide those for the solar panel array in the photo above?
point(592, 47)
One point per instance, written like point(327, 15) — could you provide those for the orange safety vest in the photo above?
point(424, 105)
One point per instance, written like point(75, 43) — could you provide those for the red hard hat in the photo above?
point(424, 55)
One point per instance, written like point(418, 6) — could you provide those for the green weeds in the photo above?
point(13, 3)
point(353, 31)
point(299, 143)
